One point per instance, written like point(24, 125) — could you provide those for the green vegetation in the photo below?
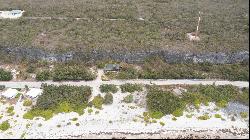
point(243, 114)
point(127, 72)
point(174, 119)
point(4, 126)
point(106, 88)
point(161, 101)
point(156, 68)
point(217, 115)
point(156, 115)
point(189, 115)
point(178, 112)
point(74, 119)
point(128, 98)
point(166, 102)
point(23, 135)
point(204, 117)
point(31, 69)
point(5, 75)
point(244, 96)
point(90, 111)
point(162, 123)
point(46, 114)
point(98, 101)
point(108, 98)
point(97, 112)
point(10, 109)
point(27, 102)
point(2, 87)
point(43, 75)
point(77, 124)
point(72, 72)
point(131, 87)
point(56, 99)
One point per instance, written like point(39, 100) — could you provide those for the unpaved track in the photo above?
point(21, 84)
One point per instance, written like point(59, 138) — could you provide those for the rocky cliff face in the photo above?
point(130, 57)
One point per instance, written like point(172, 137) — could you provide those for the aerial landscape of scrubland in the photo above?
point(124, 69)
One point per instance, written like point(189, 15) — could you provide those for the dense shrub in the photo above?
point(127, 72)
point(105, 88)
point(108, 98)
point(163, 101)
point(43, 75)
point(167, 103)
point(131, 87)
point(72, 72)
point(5, 75)
point(98, 101)
point(156, 68)
point(56, 99)
point(4, 126)
point(128, 98)
point(31, 69)
point(53, 95)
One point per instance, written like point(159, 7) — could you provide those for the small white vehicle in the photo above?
point(14, 14)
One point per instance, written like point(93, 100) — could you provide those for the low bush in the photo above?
point(162, 123)
point(27, 102)
point(4, 126)
point(74, 119)
point(163, 101)
point(106, 88)
point(131, 87)
point(217, 115)
point(108, 98)
point(204, 117)
point(98, 101)
point(243, 114)
point(5, 75)
point(156, 114)
point(178, 112)
point(221, 103)
point(72, 72)
point(189, 115)
point(43, 75)
point(90, 111)
point(127, 72)
point(128, 98)
point(10, 109)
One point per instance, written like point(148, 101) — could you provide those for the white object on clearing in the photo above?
point(14, 14)
point(193, 37)
point(10, 93)
point(34, 92)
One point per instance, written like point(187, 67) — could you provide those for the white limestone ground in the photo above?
point(122, 116)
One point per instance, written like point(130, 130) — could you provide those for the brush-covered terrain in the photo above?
point(145, 25)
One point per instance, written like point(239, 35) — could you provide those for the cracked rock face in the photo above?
point(125, 56)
